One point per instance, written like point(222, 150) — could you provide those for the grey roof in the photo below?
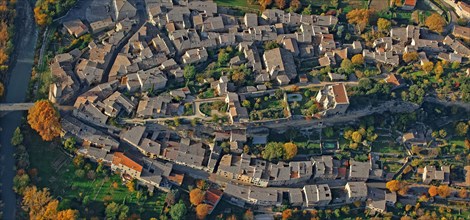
point(87, 133)
point(359, 170)
point(134, 135)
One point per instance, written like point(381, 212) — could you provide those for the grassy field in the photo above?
point(57, 172)
point(238, 4)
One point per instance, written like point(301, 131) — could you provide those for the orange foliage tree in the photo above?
point(196, 196)
point(44, 118)
point(393, 185)
point(286, 214)
point(444, 191)
point(202, 210)
point(40, 205)
point(432, 191)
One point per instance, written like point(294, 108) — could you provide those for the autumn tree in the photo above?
point(438, 70)
point(196, 196)
point(461, 129)
point(444, 191)
point(432, 191)
point(435, 22)
point(17, 138)
point(286, 214)
point(44, 118)
point(463, 193)
point(359, 17)
point(384, 24)
point(410, 57)
point(67, 214)
point(202, 210)
point(356, 137)
point(358, 60)
point(2, 89)
point(264, 4)
point(291, 150)
point(295, 5)
point(281, 4)
point(40, 205)
point(248, 215)
point(393, 185)
point(428, 67)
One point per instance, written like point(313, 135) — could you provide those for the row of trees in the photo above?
point(7, 31)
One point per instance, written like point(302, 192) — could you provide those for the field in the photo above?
point(348, 5)
point(56, 171)
point(379, 5)
point(238, 4)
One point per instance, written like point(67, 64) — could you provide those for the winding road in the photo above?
point(16, 89)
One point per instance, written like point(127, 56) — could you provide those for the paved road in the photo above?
point(16, 92)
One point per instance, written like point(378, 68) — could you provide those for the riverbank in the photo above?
point(20, 74)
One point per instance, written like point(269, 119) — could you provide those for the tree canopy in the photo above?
point(196, 196)
point(359, 17)
point(435, 22)
point(291, 150)
point(178, 211)
point(44, 119)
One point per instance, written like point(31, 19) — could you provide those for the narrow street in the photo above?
point(16, 89)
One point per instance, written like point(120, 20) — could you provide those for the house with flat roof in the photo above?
point(431, 173)
point(356, 191)
point(317, 195)
point(359, 171)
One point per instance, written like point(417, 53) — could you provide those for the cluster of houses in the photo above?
point(119, 72)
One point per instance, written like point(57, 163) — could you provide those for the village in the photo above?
point(165, 90)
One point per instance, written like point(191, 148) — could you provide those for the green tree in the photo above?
point(70, 144)
point(189, 72)
point(20, 182)
point(17, 138)
point(347, 66)
point(116, 211)
point(223, 57)
point(178, 211)
point(307, 10)
point(273, 151)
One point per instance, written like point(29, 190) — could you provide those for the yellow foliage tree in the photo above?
point(384, 24)
point(359, 17)
point(435, 22)
point(356, 137)
point(68, 214)
point(291, 150)
point(393, 185)
point(196, 196)
point(2, 89)
point(358, 60)
point(428, 67)
point(410, 57)
point(44, 118)
point(463, 193)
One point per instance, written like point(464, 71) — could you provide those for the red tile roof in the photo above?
point(340, 93)
point(410, 3)
point(392, 80)
point(213, 196)
point(120, 158)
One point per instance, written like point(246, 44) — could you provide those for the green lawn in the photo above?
point(239, 4)
point(57, 172)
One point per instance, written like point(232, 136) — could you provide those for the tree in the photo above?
point(67, 214)
point(432, 191)
point(2, 89)
point(69, 144)
point(443, 191)
point(442, 133)
point(410, 57)
point(463, 193)
point(178, 211)
point(358, 60)
point(286, 214)
point(130, 186)
point(116, 211)
point(467, 143)
point(17, 138)
point(189, 72)
point(273, 151)
point(461, 129)
point(359, 17)
point(202, 210)
point(170, 198)
point(393, 185)
point(435, 22)
point(438, 70)
point(347, 66)
point(281, 4)
point(307, 10)
point(196, 196)
point(20, 182)
point(291, 150)
point(384, 24)
point(295, 5)
point(356, 137)
point(403, 190)
point(40, 204)
point(44, 118)
point(248, 215)
point(428, 67)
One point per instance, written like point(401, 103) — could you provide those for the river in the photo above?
point(16, 90)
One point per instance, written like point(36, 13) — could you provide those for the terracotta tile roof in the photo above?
point(213, 196)
point(392, 80)
point(464, 6)
point(120, 158)
point(176, 178)
point(410, 2)
point(340, 93)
